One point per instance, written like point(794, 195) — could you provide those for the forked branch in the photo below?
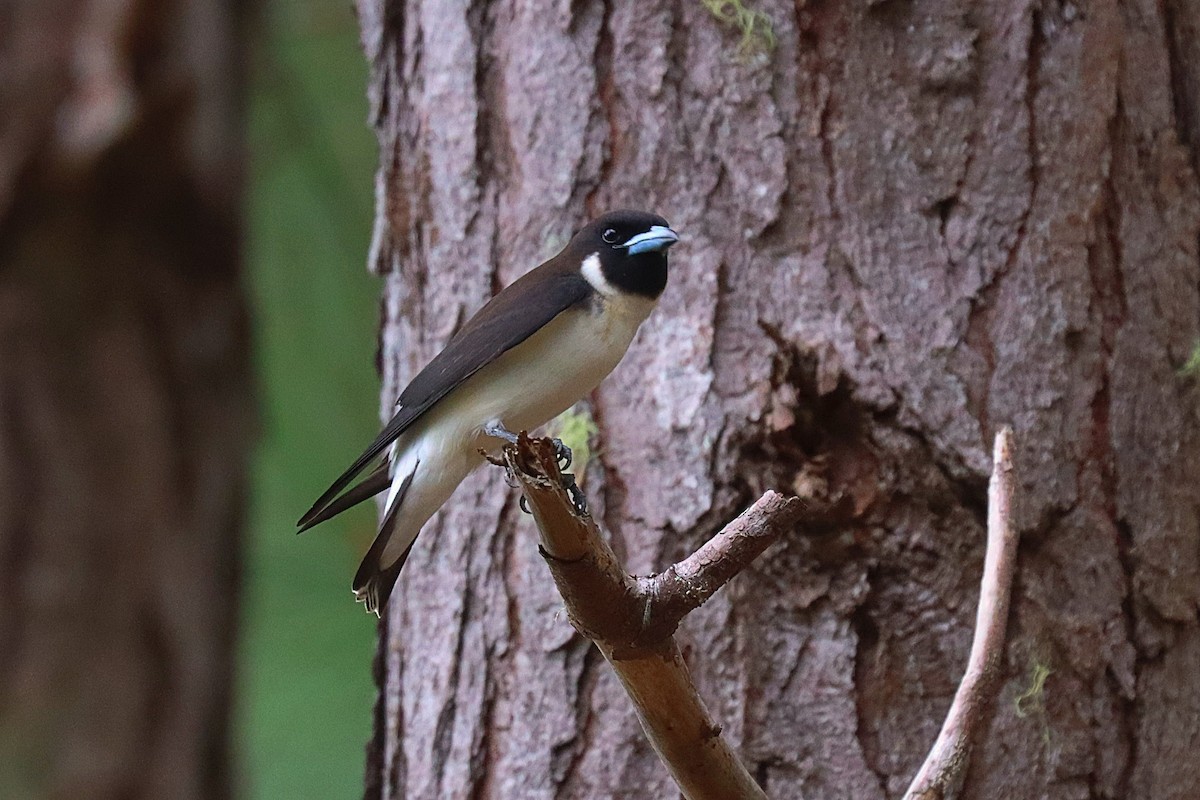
point(632, 620)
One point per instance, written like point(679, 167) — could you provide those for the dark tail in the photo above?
point(403, 419)
point(373, 583)
point(370, 486)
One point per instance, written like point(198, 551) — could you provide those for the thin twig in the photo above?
point(942, 773)
point(632, 621)
point(687, 585)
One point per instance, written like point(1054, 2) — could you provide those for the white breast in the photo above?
point(551, 370)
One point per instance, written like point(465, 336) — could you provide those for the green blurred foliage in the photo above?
point(1192, 367)
point(304, 690)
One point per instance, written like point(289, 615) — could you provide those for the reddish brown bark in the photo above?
point(125, 401)
point(908, 225)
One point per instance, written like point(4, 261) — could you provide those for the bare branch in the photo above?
point(944, 769)
point(687, 585)
point(632, 621)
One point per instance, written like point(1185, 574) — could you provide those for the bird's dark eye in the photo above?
point(609, 235)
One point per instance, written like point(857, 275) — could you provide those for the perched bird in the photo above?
point(531, 352)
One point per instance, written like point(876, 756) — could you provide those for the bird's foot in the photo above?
point(562, 453)
point(496, 429)
point(578, 498)
point(510, 479)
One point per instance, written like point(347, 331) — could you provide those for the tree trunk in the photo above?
point(904, 226)
point(125, 396)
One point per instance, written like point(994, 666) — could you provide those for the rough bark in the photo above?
point(125, 397)
point(907, 225)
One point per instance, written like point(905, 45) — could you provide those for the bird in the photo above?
point(531, 352)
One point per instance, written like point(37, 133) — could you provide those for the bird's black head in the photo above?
point(625, 251)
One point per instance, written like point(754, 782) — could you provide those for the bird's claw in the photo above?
point(511, 480)
point(578, 498)
point(523, 504)
point(562, 453)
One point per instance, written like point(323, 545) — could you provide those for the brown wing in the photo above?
point(508, 319)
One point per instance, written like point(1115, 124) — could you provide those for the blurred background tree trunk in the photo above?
point(904, 224)
point(125, 396)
